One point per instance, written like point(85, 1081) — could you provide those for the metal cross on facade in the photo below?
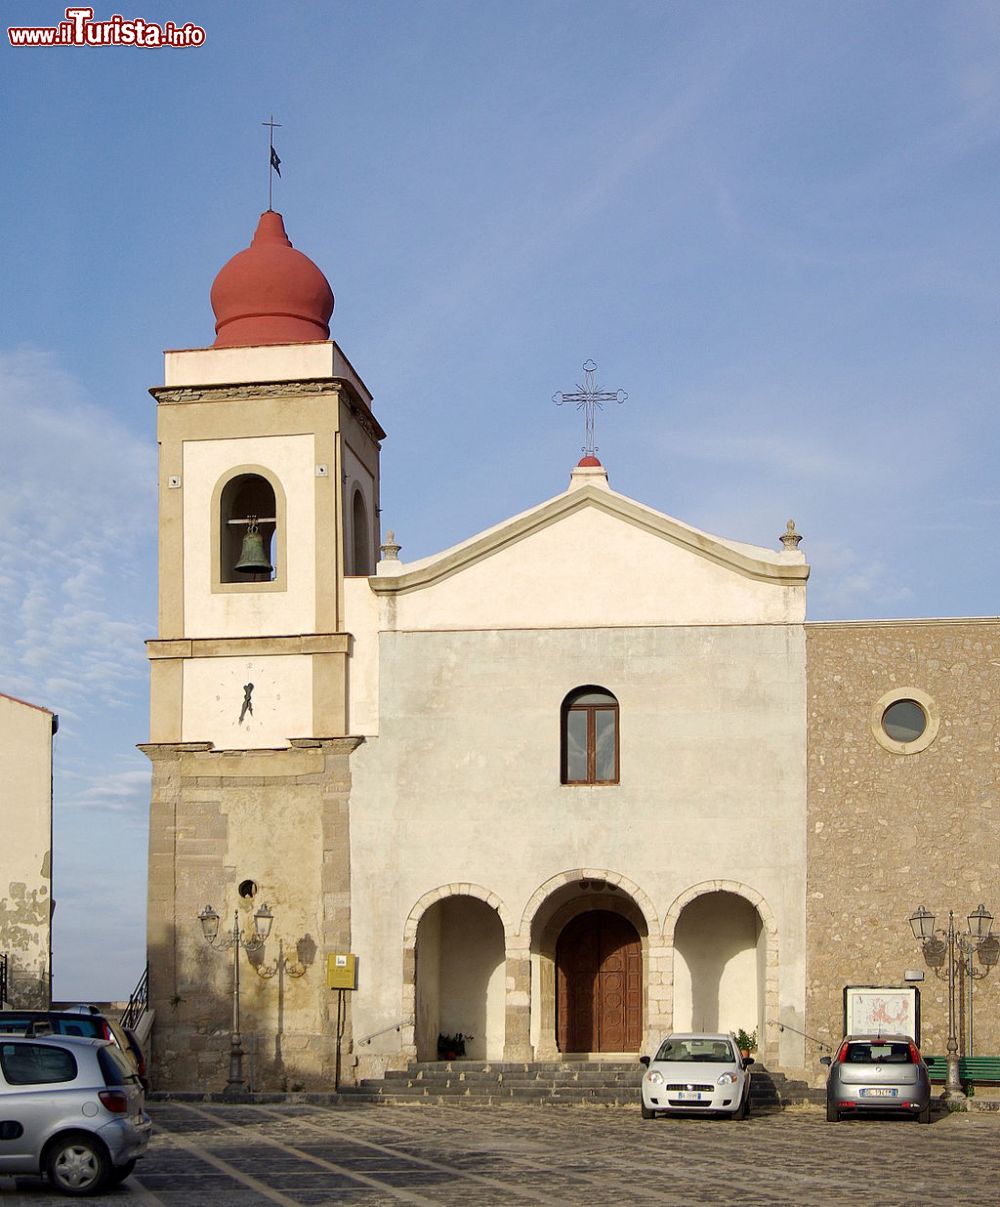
point(589, 399)
point(273, 162)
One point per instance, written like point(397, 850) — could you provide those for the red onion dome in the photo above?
point(269, 293)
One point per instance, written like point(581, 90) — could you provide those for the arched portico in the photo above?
point(590, 927)
point(455, 944)
point(723, 942)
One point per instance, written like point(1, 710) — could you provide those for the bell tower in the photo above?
point(268, 497)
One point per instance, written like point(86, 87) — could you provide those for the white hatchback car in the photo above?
point(697, 1073)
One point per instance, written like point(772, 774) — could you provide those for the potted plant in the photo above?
point(452, 1047)
point(746, 1042)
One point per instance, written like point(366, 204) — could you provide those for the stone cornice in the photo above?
point(238, 647)
point(298, 388)
point(787, 574)
point(915, 622)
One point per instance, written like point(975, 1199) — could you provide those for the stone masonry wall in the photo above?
point(887, 831)
point(218, 818)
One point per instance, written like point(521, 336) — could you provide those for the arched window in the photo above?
point(247, 511)
point(590, 737)
point(361, 541)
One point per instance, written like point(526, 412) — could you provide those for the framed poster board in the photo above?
point(882, 1009)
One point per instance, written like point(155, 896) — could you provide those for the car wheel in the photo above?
point(743, 1110)
point(77, 1165)
point(119, 1173)
point(832, 1114)
point(925, 1114)
point(648, 1112)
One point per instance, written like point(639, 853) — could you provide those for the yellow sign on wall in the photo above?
point(342, 971)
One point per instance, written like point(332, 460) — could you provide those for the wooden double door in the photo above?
point(599, 984)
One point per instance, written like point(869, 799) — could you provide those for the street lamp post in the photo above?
point(262, 920)
point(939, 945)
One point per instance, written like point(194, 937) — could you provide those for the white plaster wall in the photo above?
point(716, 943)
point(589, 568)
point(462, 783)
point(26, 817)
point(281, 701)
point(266, 362)
point(472, 966)
point(250, 613)
point(361, 621)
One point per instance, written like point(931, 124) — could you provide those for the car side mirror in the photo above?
point(826, 1060)
point(748, 1061)
point(644, 1060)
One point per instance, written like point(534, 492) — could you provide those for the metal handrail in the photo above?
point(137, 1003)
point(403, 1022)
point(812, 1038)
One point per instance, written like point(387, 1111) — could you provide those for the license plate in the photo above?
point(690, 1095)
point(879, 1092)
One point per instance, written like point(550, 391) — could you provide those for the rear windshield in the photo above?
point(877, 1052)
point(89, 1026)
point(116, 1068)
point(712, 1051)
point(36, 1064)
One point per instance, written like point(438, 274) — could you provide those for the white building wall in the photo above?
point(26, 819)
point(462, 783)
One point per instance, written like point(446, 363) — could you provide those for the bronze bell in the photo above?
point(253, 559)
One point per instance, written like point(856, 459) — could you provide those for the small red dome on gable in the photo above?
point(269, 293)
point(588, 462)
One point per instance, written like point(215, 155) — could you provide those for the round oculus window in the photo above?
point(904, 721)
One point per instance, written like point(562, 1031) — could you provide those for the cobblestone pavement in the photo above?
point(299, 1154)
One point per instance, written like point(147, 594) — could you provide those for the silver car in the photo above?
point(877, 1073)
point(72, 1109)
point(697, 1072)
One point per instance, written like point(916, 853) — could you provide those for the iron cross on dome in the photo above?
point(590, 399)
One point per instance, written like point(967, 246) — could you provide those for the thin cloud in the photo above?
point(76, 513)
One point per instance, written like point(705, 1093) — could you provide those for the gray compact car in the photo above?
point(72, 1109)
point(877, 1073)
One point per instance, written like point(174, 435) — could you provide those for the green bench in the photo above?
point(972, 1070)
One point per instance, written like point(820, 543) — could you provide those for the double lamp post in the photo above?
point(238, 939)
point(940, 945)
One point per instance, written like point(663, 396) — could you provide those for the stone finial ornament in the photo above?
point(790, 538)
point(390, 550)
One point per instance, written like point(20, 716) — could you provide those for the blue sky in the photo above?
point(773, 223)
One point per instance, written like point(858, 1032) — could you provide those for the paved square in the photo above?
point(298, 1154)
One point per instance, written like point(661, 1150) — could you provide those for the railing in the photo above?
point(4, 996)
point(138, 1002)
point(403, 1022)
point(821, 1043)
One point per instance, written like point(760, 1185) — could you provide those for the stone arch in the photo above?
point(553, 905)
point(419, 909)
point(769, 926)
point(544, 891)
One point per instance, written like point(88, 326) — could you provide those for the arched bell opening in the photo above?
point(248, 530)
point(720, 961)
point(249, 523)
point(460, 979)
point(362, 544)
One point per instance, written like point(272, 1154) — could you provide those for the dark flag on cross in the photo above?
point(273, 163)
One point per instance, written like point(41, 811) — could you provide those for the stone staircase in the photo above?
point(605, 1083)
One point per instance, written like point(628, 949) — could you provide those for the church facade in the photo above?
point(584, 778)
